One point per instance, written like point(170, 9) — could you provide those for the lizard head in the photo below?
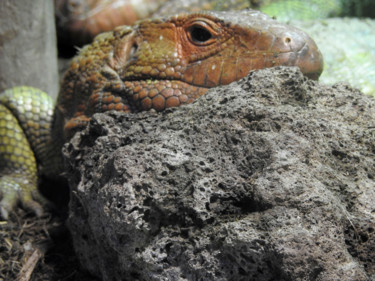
point(167, 62)
point(162, 63)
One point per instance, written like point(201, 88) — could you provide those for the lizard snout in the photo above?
point(298, 49)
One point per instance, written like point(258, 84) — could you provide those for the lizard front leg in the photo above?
point(18, 170)
point(25, 115)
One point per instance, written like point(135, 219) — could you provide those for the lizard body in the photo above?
point(156, 64)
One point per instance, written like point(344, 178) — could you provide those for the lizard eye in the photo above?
point(200, 33)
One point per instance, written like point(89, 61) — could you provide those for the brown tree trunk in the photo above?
point(28, 54)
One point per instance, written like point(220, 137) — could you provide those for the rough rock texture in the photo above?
point(270, 178)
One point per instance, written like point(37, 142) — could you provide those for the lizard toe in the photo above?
point(15, 191)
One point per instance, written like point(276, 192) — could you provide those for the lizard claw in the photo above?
point(13, 192)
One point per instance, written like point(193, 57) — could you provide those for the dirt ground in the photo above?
point(26, 239)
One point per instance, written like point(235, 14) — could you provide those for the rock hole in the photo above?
point(135, 275)
point(221, 185)
point(364, 237)
point(340, 155)
point(224, 100)
point(242, 272)
point(207, 205)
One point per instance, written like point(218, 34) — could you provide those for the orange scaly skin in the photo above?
point(164, 63)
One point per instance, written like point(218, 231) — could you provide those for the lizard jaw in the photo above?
point(161, 94)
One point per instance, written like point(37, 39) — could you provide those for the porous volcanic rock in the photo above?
point(269, 178)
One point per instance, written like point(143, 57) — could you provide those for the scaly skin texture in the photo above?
point(164, 63)
point(25, 118)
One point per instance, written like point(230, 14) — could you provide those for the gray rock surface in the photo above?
point(269, 178)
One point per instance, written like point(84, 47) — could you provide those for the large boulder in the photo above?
point(269, 178)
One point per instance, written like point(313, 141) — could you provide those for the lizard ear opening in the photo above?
point(133, 49)
point(124, 52)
